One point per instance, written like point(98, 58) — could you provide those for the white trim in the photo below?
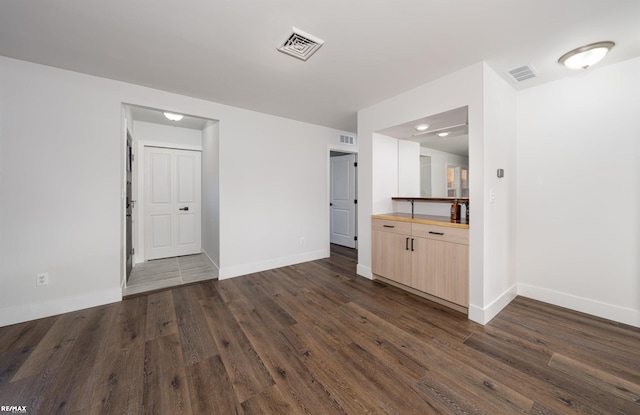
point(486, 314)
point(213, 264)
point(27, 312)
point(341, 148)
point(244, 269)
point(123, 202)
point(581, 304)
point(364, 271)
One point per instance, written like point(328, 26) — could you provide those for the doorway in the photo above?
point(177, 204)
point(343, 199)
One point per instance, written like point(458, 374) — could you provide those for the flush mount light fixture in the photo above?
point(443, 134)
point(585, 56)
point(422, 127)
point(173, 117)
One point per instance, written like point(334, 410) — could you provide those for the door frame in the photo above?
point(123, 202)
point(346, 150)
point(138, 232)
point(128, 207)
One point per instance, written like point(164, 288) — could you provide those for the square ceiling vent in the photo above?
point(522, 73)
point(300, 45)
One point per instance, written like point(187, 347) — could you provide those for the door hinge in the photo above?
point(355, 238)
point(133, 251)
point(133, 157)
point(355, 202)
point(355, 164)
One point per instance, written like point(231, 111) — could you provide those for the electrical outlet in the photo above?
point(42, 279)
point(302, 241)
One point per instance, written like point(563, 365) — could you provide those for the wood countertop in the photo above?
point(426, 219)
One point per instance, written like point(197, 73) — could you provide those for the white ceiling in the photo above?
point(455, 122)
point(225, 50)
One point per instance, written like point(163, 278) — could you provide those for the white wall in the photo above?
point(408, 168)
point(500, 114)
point(167, 134)
point(273, 193)
point(578, 193)
point(425, 176)
point(211, 193)
point(61, 185)
point(440, 160)
point(385, 177)
point(459, 89)
point(61, 159)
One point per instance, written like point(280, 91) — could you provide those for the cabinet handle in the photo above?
point(388, 226)
point(406, 244)
point(436, 233)
point(411, 244)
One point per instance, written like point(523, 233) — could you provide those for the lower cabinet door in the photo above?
point(441, 269)
point(391, 255)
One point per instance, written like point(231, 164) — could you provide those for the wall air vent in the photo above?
point(522, 73)
point(300, 45)
point(346, 139)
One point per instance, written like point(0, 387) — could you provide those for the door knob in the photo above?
point(184, 208)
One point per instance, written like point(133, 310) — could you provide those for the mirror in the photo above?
point(433, 155)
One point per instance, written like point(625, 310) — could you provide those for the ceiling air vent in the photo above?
point(346, 139)
point(300, 45)
point(522, 73)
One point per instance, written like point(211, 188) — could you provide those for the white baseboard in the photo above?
point(584, 305)
point(210, 261)
point(364, 271)
point(244, 269)
point(28, 312)
point(486, 314)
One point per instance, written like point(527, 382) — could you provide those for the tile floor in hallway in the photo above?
point(169, 272)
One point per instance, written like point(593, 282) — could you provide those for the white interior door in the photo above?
point(171, 202)
point(343, 200)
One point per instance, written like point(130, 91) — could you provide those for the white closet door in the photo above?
point(171, 202)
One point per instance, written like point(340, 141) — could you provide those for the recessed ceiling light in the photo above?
point(422, 127)
point(172, 116)
point(585, 56)
point(443, 134)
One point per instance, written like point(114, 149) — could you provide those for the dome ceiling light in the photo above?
point(586, 56)
point(173, 117)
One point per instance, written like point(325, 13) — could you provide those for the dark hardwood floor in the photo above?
point(315, 338)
